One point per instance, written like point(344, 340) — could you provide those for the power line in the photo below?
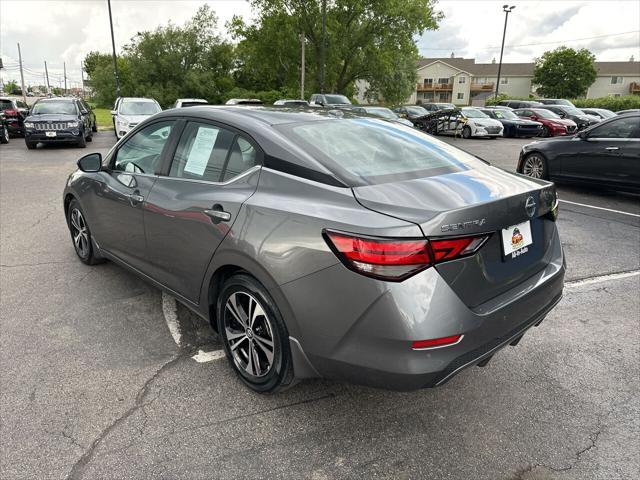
point(538, 43)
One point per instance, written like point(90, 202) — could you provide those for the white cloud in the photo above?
point(536, 24)
point(65, 31)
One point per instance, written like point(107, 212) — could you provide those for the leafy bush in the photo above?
point(614, 104)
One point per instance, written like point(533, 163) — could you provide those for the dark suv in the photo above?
point(59, 120)
point(15, 111)
point(519, 104)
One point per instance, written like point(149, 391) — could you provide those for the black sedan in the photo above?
point(58, 120)
point(606, 154)
point(514, 126)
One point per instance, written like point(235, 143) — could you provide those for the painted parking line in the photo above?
point(600, 208)
point(600, 279)
point(170, 312)
point(203, 357)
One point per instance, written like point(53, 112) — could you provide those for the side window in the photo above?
point(618, 128)
point(241, 158)
point(141, 152)
point(201, 152)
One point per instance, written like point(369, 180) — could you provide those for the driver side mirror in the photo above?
point(583, 135)
point(562, 114)
point(114, 112)
point(90, 163)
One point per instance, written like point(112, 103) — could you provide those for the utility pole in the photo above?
point(64, 66)
point(46, 72)
point(302, 67)
point(324, 41)
point(82, 77)
point(113, 48)
point(24, 91)
point(507, 10)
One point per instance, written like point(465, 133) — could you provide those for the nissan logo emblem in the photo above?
point(530, 206)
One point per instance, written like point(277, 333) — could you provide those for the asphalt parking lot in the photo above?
point(94, 386)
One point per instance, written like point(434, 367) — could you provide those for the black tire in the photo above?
point(94, 127)
point(4, 135)
point(240, 290)
point(90, 137)
point(492, 138)
point(82, 141)
point(466, 132)
point(30, 145)
point(545, 131)
point(78, 226)
point(115, 130)
point(535, 165)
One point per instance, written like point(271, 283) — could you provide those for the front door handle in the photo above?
point(217, 214)
point(135, 198)
point(612, 148)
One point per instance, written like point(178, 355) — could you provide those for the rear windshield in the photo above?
point(65, 108)
point(368, 151)
point(193, 104)
point(139, 108)
point(337, 100)
point(6, 105)
point(546, 113)
point(417, 110)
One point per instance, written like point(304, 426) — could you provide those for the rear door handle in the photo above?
point(612, 148)
point(217, 214)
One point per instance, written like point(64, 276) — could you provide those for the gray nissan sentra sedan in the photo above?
point(322, 244)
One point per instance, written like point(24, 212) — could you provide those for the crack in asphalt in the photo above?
point(593, 440)
point(78, 468)
point(37, 264)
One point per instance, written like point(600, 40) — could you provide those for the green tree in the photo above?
point(12, 88)
point(167, 63)
point(564, 72)
point(365, 41)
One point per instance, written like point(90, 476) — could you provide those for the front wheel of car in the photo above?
point(81, 235)
point(254, 335)
point(4, 135)
point(30, 145)
point(466, 132)
point(94, 127)
point(535, 166)
point(82, 141)
point(544, 132)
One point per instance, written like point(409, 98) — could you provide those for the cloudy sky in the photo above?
point(64, 31)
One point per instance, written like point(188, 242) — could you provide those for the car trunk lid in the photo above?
point(474, 201)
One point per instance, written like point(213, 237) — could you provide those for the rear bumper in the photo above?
point(373, 346)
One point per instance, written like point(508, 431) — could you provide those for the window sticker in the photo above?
point(201, 150)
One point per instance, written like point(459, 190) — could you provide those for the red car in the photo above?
point(552, 124)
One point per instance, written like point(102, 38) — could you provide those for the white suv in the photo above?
point(130, 111)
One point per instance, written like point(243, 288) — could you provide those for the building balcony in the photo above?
point(634, 87)
point(482, 87)
point(434, 87)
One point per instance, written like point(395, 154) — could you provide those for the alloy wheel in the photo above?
point(249, 334)
point(533, 166)
point(80, 233)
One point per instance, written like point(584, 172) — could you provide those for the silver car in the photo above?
point(322, 245)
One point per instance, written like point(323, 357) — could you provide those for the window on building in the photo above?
point(428, 81)
point(614, 95)
point(462, 79)
point(504, 81)
point(480, 79)
point(443, 80)
point(460, 96)
point(617, 80)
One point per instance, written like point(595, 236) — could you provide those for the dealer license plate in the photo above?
point(516, 239)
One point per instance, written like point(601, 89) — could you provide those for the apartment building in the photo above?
point(464, 82)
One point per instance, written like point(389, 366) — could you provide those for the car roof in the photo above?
point(191, 100)
point(137, 99)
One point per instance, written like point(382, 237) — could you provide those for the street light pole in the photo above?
point(113, 47)
point(507, 10)
point(302, 66)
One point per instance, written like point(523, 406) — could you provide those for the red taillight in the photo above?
point(397, 259)
point(450, 248)
point(11, 112)
point(436, 342)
